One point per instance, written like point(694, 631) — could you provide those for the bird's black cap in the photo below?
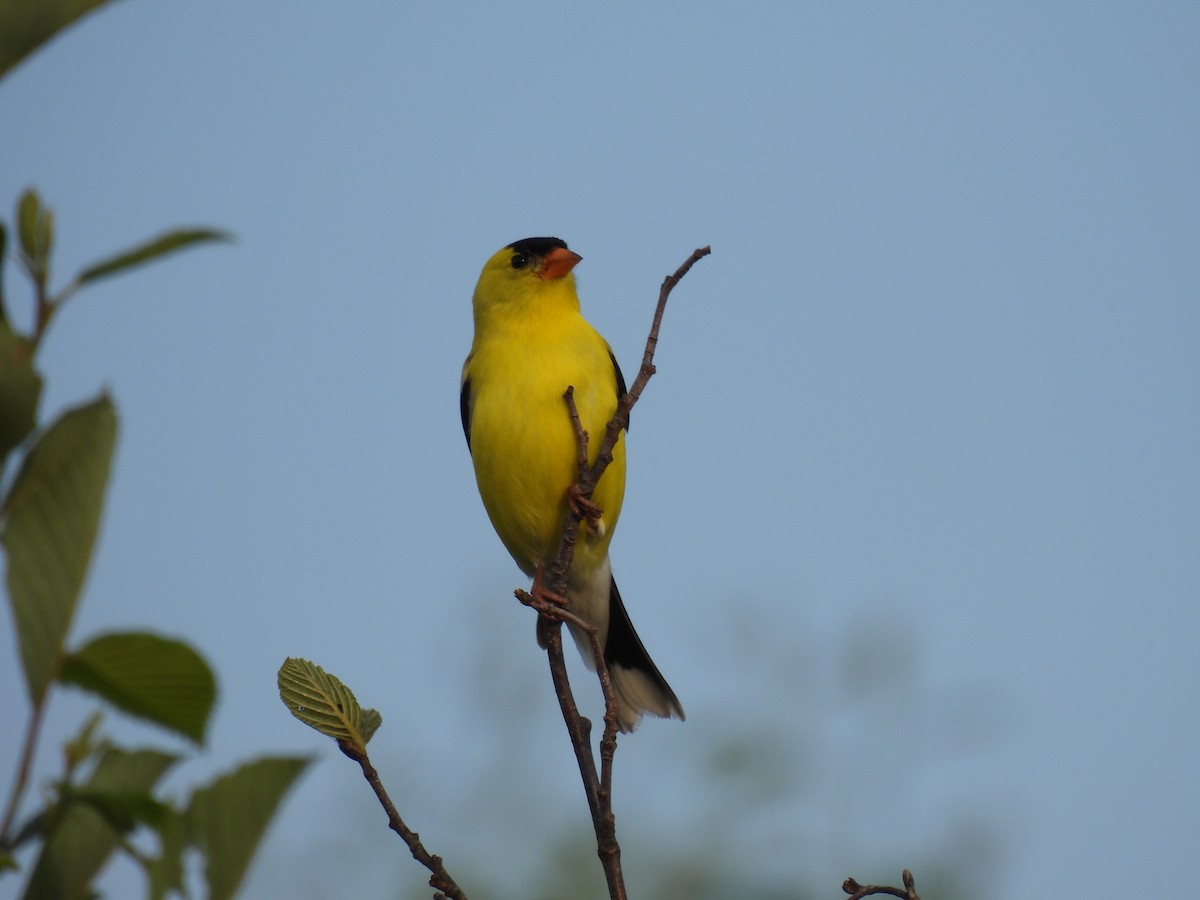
point(538, 246)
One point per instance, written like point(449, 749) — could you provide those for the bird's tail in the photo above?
point(639, 686)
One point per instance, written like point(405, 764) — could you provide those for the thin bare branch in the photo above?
point(580, 508)
point(647, 370)
point(859, 891)
point(23, 769)
point(439, 879)
point(578, 727)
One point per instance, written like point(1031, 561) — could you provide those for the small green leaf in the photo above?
point(229, 817)
point(35, 228)
point(143, 253)
point(20, 390)
point(28, 209)
point(84, 745)
point(151, 677)
point(50, 519)
point(26, 26)
point(82, 839)
point(322, 702)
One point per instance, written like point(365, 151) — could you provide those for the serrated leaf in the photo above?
point(322, 702)
point(26, 26)
point(20, 390)
point(81, 840)
point(228, 818)
point(152, 249)
point(154, 678)
point(50, 519)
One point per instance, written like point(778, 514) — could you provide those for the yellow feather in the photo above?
point(531, 343)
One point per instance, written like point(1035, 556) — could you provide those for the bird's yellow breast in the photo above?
point(522, 443)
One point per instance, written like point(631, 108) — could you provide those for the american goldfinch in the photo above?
point(531, 343)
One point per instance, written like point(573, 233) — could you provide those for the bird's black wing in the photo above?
point(624, 649)
point(621, 392)
point(464, 407)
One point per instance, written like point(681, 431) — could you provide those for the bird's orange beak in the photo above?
point(558, 262)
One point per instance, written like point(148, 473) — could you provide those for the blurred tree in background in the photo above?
point(106, 799)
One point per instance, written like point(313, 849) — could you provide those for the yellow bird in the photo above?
point(531, 343)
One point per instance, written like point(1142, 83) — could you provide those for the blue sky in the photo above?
point(928, 411)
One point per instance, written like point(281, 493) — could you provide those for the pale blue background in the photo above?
point(913, 515)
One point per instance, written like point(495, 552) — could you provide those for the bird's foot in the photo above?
point(539, 591)
point(583, 507)
point(548, 603)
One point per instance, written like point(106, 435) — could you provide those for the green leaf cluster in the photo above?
point(54, 474)
point(50, 513)
point(97, 816)
point(35, 233)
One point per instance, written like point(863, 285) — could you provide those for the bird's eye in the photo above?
point(520, 260)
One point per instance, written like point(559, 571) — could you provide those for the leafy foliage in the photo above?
point(50, 514)
point(86, 825)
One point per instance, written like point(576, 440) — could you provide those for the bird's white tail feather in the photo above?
point(639, 687)
point(637, 694)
